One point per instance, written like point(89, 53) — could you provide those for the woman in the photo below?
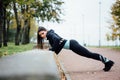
point(57, 43)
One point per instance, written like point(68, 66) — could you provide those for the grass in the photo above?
point(111, 47)
point(11, 49)
point(116, 48)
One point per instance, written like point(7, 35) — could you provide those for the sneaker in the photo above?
point(108, 65)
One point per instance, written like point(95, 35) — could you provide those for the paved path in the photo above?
point(81, 68)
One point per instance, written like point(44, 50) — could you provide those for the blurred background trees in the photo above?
point(18, 18)
point(115, 25)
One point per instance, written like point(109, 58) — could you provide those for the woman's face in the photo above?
point(43, 34)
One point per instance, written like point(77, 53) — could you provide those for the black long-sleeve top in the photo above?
point(55, 41)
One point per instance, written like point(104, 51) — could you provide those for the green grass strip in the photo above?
point(11, 49)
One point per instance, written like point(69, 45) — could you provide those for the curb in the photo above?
point(63, 72)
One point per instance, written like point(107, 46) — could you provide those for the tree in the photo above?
point(4, 26)
point(46, 10)
point(115, 27)
point(3, 29)
point(24, 12)
point(17, 35)
point(1, 22)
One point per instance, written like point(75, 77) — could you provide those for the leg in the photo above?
point(77, 48)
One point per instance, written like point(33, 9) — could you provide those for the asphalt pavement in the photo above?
point(81, 68)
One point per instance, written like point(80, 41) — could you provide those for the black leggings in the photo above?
point(77, 48)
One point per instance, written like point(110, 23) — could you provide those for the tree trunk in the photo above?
point(4, 29)
point(8, 25)
point(1, 22)
point(25, 34)
point(28, 32)
point(17, 35)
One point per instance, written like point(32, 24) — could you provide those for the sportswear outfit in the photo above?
point(57, 43)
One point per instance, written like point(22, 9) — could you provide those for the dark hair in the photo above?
point(40, 39)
